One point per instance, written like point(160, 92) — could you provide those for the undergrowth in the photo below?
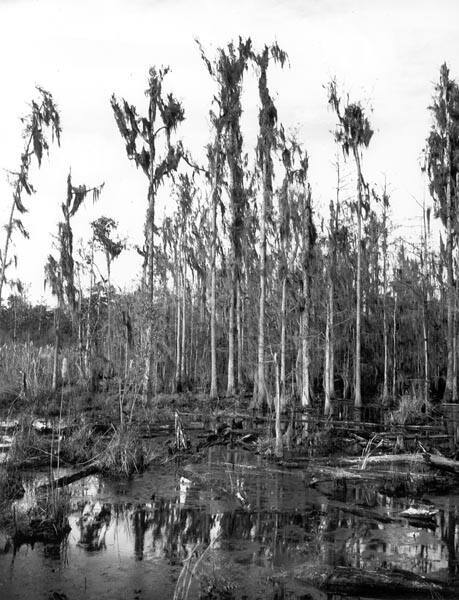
point(412, 410)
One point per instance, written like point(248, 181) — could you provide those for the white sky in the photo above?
point(386, 53)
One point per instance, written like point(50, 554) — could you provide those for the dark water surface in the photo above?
point(129, 539)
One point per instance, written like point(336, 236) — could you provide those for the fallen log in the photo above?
point(386, 458)
point(379, 583)
point(441, 462)
point(68, 479)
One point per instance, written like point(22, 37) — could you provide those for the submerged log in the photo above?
point(380, 583)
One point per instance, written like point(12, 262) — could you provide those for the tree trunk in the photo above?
point(357, 365)
point(327, 374)
point(394, 349)
point(261, 387)
point(331, 303)
point(306, 350)
point(278, 448)
point(57, 344)
point(109, 314)
point(183, 351)
point(231, 387)
point(426, 352)
point(306, 354)
point(231, 384)
point(425, 304)
point(213, 333)
point(178, 345)
point(147, 391)
point(88, 367)
point(449, 389)
point(283, 337)
point(239, 333)
point(385, 394)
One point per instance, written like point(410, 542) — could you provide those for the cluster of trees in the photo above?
point(245, 289)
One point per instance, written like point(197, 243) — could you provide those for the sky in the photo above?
point(384, 53)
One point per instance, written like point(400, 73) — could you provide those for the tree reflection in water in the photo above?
point(260, 521)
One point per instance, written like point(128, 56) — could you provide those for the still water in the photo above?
point(258, 522)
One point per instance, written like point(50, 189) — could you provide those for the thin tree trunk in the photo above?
point(426, 352)
point(239, 328)
point(149, 332)
point(305, 393)
point(109, 314)
point(331, 303)
point(283, 338)
point(189, 368)
point(299, 361)
point(278, 448)
point(327, 374)
point(231, 384)
point(178, 345)
point(231, 387)
point(449, 389)
point(394, 349)
point(261, 387)
point(306, 354)
point(425, 304)
point(57, 344)
point(346, 375)
point(454, 398)
point(357, 366)
point(88, 349)
point(213, 333)
point(149, 378)
point(183, 352)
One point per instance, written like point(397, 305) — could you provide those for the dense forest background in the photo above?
point(247, 287)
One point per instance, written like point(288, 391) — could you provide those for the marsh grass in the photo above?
point(27, 444)
point(125, 453)
point(412, 410)
point(82, 445)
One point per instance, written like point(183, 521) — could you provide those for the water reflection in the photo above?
point(260, 521)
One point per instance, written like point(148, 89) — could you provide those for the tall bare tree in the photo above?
point(219, 70)
point(266, 144)
point(228, 70)
point(143, 137)
point(354, 133)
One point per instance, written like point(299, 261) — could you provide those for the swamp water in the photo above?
point(259, 523)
